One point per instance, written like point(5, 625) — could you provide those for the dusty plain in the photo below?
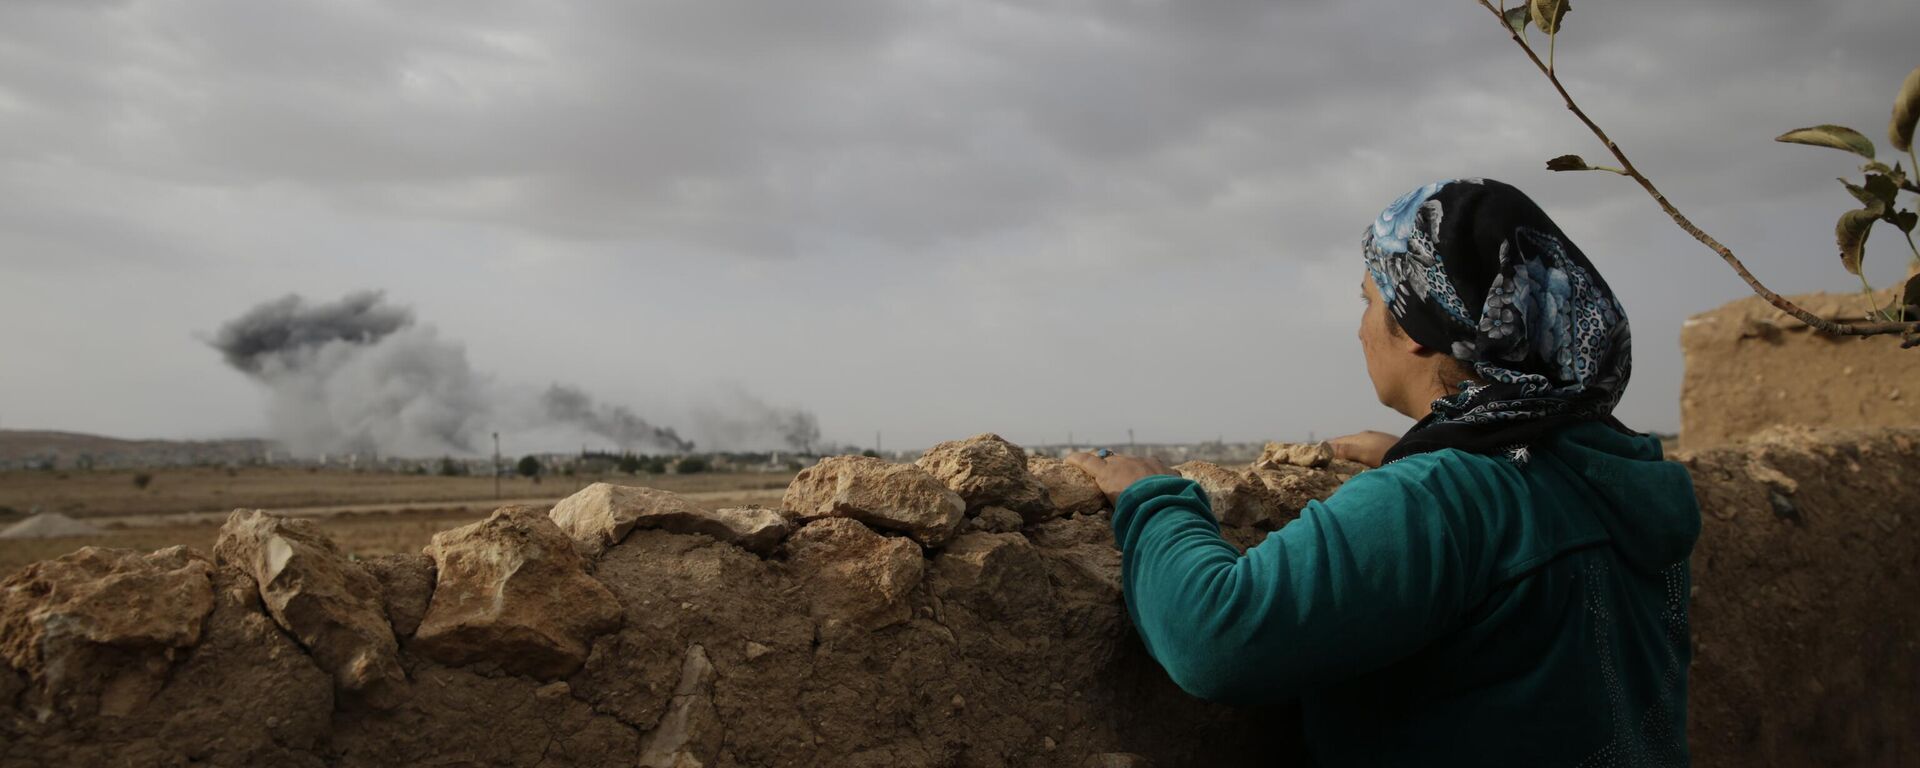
point(366, 513)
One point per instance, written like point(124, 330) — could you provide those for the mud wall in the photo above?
point(879, 619)
point(1750, 366)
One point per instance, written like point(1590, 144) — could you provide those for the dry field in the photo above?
point(366, 513)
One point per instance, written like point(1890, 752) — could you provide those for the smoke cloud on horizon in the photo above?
point(360, 375)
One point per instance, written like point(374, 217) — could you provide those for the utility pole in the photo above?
point(1129, 439)
point(876, 441)
point(496, 466)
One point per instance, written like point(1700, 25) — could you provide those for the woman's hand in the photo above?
point(1114, 472)
point(1369, 448)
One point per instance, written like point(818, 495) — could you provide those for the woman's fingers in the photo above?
point(1369, 448)
point(1113, 473)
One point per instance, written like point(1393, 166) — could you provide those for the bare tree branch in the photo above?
point(1910, 331)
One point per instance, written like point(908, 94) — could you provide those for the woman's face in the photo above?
point(1393, 361)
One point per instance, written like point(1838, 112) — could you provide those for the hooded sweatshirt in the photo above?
point(1449, 608)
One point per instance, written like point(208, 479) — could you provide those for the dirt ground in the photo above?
point(1751, 367)
point(367, 514)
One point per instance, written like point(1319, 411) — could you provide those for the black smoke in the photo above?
point(361, 375)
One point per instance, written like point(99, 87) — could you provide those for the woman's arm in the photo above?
point(1366, 578)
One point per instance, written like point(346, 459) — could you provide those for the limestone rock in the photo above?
point(331, 605)
point(894, 497)
point(1000, 575)
point(857, 580)
point(512, 591)
point(406, 586)
point(98, 629)
point(688, 735)
point(1291, 487)
point(1238, 496)
point(1315, 455)
point(997, 520)
point(1071, 491)
point(989, 471)
point(602, 514)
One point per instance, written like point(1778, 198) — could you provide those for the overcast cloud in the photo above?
point(931, 218)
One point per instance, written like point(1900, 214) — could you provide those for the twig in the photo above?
point(1910, 331)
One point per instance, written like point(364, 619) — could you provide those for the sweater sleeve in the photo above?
point(1364, 579)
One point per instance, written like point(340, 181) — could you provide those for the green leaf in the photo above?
point(1850, 233)
point(1880, 189)
point(1905, 306)
point(1517, 18)
point(1568, 163)
point(1835, 136)
point(1906, 112)
point(1859, 192)
point(1905, 220)
point(1547, 14)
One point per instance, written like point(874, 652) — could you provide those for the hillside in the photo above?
point(35, 449)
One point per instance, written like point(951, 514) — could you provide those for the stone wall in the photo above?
point(961, 611)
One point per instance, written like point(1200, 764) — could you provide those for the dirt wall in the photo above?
point(625, 629)
point(1750, 366)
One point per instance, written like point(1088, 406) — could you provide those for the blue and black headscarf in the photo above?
point(1475, 269)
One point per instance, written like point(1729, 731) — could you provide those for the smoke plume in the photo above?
point(360, 375)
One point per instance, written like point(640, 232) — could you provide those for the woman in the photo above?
point(1509, 586)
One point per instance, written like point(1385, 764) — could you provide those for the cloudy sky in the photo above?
point(928, 217)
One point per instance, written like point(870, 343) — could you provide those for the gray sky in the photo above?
point(932, 218)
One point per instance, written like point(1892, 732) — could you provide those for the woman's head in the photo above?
point(1470, 281)
point(1407, 375)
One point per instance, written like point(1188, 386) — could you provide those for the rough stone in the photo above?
point(602, 514)
point(689, 734)
point(999, 574)
point(1238, 496)
point(97, 630)
point(1290, 488)
point(894, 497)
point(512, 592)
point(1071, 491)
point(328, 603)
point(1314, 455)
point(986, 470)
point(406, 586)
point(858, 580)
point(998, 520)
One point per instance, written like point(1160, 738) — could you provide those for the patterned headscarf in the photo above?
point(1475, 269)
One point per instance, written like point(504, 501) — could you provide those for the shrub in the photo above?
point(142, 480)
point(692, 465)
point(528, 467)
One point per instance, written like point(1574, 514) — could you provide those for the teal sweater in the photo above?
point(1446, 609)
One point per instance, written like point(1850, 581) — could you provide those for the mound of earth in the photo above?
point(48, 525)
point(1751, 367)
point(951, 612)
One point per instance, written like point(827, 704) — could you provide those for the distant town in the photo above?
point(52, 450)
